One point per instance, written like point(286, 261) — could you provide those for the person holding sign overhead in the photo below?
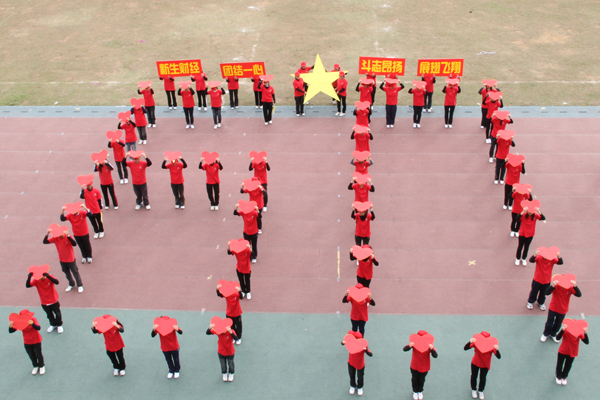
point(391, 90)
point(421, 344)
point(357, 348)
point(138, 177)
point(561, 288)
point(111, 328)
point(28, 324)
point(45, 285)
point(227, 337)
point(175, 163)
point(572, 331)
point(360, 299)
point(64, 246)
point(145, 90)
point(168, 342)
point(482, 360)
point(170, 90)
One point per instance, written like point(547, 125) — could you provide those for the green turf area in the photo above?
point(293, 356)
point(94, 53)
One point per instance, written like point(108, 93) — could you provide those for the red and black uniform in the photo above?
point(130, 136)
point(359, 313)
point(267, 99)
point(527, 231)
point(187, 97)
point(356, 364)
point(243, 269)
point(234, 311)
point(201, 90)
point(513, 176)
point(491, 105)
point(429, 82)
point(363, 117)
point(484, 109)
point(366, 92)
point(176, 174)
point(149, 103)
point(391, 101)
point(93, 201)
point(299, 93)
point(364, 272)
point(481, 364)
point(260, 169)
point(216, 101)
point(251, 229)
point(106, 183)
point(48, 297)
point(361, 166)
point(170, 348)
point(450, 102)
point(32, 340)
point(257, 92)
point(114, 345)
point(362, 140)
point(212, 181)
point(66, 256)
point(501, 154)
point(138, 180)
point(256, 195)
point(418, 103)
point(225, 349)
point(233, 85)
point(118, 147)
point(170, 90)
point(361, 191)
point(542, 278)
point(568, 350)
point(420, 365)
point(140, 120)
point(80, 231)
point(517, 197)
point(497, 125)
point(362, 234)
point(559, 307)
point(341, 88)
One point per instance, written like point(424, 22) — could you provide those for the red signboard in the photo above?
point(178, 68)
point(441, 67)
point(381, 65)
point(242, 70)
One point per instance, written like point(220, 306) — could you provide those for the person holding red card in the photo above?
point(175, 168)
point(170, 90)
point(498, 124)
point(489, 85)
point(250, 228)
point(45, 286)
point(451, 90)
point(187, 97)
point(513, 176)
point(542, 277)
point(501, 155)
point(420, 363)
point(366, 88)
point(201, 89)
point(93, 202)
point(257, 92)
point(138, 178)
point(80, 230)
point(362, 113)
point(493, 101)
point(568, 350)
point(359, 313)
point(64, 245)
point(418, 93)
point(364, 272)
point(256, 195)
point(106, 183)
point(361, 135)
point(299, 93)
point(362, 234)
point(480, 365)
point(216, 101)
point(526, 232)
point(118, 147)
point(150, 104)
point(391, 89)
point(243, 267)
point(212, 181)
point(130, 136)
point(361, 166)
point(361, 190)
point(429, 82)
point(113, 343)
point(233, 311)
point(33, 342)
point(226, 350)
point(356, 365)
point(139, 112)
point(518, 195)
point(170, 348)
point(233, 85)
point(260, 168)
point(341, 88)
point(267, 98)
point(559, 307)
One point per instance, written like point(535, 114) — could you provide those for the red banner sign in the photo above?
point(178, 68)
point(242, 70)
point(441, 67)
point(381, 66)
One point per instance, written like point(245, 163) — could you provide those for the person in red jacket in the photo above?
point(517, 209)
point(341, 88)
point(363, 219)
point(187, 97)
point(491, 105)
point(212, 181)
point(484, 111)
point(363, 114)
point(106, 183)
point(526, 232)
point(201, 89)
point(64, 246)
point(299, 93)
point(81, 232)
point(391, 89)
point(267, 99)
point(150, 104)
point(49, 299)
point(250, 229)
point(170, 348)
point(176, 168)
point(33, 343)
point(362, 137)
point(542, 278)
point(114, 345)
point(366, 87)
point(216, 101)
point(256, 195)
point(170, 90)
point(118, 147)
point(497, 125)
point(501, 155)
point(226, 351)
point(140, 122)
point(304, 69)
point(93, 202)
point(429, 82)
point(359, 313)
point(513, 176)
point(452, 90)
point(373, 77)
point(130, 136)
point(243, 269)
point(260, 168)
point(480, 365)
point(361, 166)
point(361, 190)
point(364, 272)
point(568, 350)
point(558, 309)
point(233, 85)
point(234, 311)
point(418, 103)
point(420, 365)
point(336, 68)
point(138, 179)
point(356, 366)
point(257, 92)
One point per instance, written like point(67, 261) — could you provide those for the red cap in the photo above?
point(303, 64)
point(297, 74)
point(336, 65)
point(25, 311)
point(359, 285)
point(342, 74)
point(422, 333)
point(106, 316)
point(254, 178)
point(485, 334)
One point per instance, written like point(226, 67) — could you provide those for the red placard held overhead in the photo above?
point(242, 70)
point(178, 68)
point(381, 65)
point(441, 67)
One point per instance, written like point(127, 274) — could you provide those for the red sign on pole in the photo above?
point(242, 70)
point(178, 68)
point(381, 65)
point(441, 67)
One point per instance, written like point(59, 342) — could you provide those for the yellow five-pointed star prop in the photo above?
point(320, 81)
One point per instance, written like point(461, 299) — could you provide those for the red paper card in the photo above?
point(367, 81)
point(575, 326)
point(361, 253)
point(38, 271)
point(522, 188)
point(360, 129)
point(266, 78)
point(172, 155)
point(505, 135)
point(57, 230)
point(165, 325)
point(251, 185)
point(365, 176)
point(489, 82)
point(99, 157)
point(362, 206)
point(73, 208)
point(419, 84)
point(237, 246)
point(221, 325)
point(357, 294)
point(360, 155)
point(421, 343)
point(515, 159)
point(228, 287)
point(85, 180)
point(564, 280)
point(247, 206)
point(484, 344)
point(441, 67)
point(124, 116)
point(185, 84)
point(495, 95)
point(354, 345)
point(19, 321)
point(104, 324)
point(144, 84)
point(381, 65)
point(137, 103)
point(242, 70)
point(258, 156)
point(501, 114)
point(178, 68)
point(549, 253)
point(362, 105)
point(391, 81)
point(530, 205)
point(210, 158)
point(114, 135)
point(452, 81)
point(135, 154)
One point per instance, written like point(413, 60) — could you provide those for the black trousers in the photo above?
point(244, 281)
point(122, 169)
point(216, 111)
point(299, 104)
point(34, 351)
point(265, 194)
point(257, 98)
point(500, 170)
point(354, 374)
point(236, 325)
point(227, 361)
point(553, 323)
point(233, 98)
point(177, 189)
point(53, 313)
point(487, 124)
point(268, 111)
point(493, 146)
point(475, 370)
point(417, 380)
point(538, 292)
point(172, 358)
point(141, 194)
point(70, 270)
point(171, 99)
point(358, 326)
point(142, 132)
point(390, 114)
point(96, 220)
point(189, 115)
point(151, 114)
point(523, 247)
point(213, 193)
point(563, 365)
point(341, 104)
point(515, 225)
point(417, 111)
point(84, 245)
point(253, 239)
point(508, 199)
point(118, 361)
point(202, 97)
point(428, 100)
point(449, 114)
point(360, 240)
point(483, 115)
point(259, 220)
point(363, 281)
point(105, 190)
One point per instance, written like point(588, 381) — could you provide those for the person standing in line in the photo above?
point(267, 98)
point(559, 307)
point(420, 366)
point(257, 92)
point(201, 90)
point(356, 366)
point(542, 278)
point(260, 168)
point(175, 168)
point(256, 195)
point(364, 272)
point(226, 351)
point(484, 111)
point(361, 190)
point(250, 229)
point(502, 152)
point(114, 345)
point(418, 92)
point(46, 289)
point(64, 246)
point(118, 147)
point(526, 232)
point(363, 165)
point(492, 104)
point(93, 202)
point(497, 125)
point(170, 90)
point(187, 97)
point(216, 101)
point(233, 311)
point(429, 82)
point(243, 268)
point(138, 179)
point(568, 350)
point(391, 89)
point(106, 183)
point(304, 69)
point(513, 176)
point(150, 104)
point(33, 342)
point(362, 135)
point(139, 112)
point(212, 181)
point(363, 219)
point(480, 365)
point(130, 136)
point(233, 85)
point(336, 68)
point(80, 231)
point(365, 87)
point(299, 93)
point(517, 209)
point(371, 76)
point(170, 348)
point(359, 313)
point(341, 90)
point(451, 90)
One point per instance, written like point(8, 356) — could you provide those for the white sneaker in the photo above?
point(337, 113)
point(101, 235)
point(260, 231)
point(216, 208)
point(517, 261)
point(555, 339)
point(419, 126)
point(34, 371)
point(170, 108)
point(488, 141)
point(176, 205)
point(481, 396)
point(529, 306)
point(543, 338)
point(502, 182)
point(106, 207)
point(491, 160)
point(248, 296)
point(116, 207)
point(233, 108)
point(122, 372)
point(126, 180)
point(224, 377)
point(116, 372)
point(51, 328)
point(474, 394)
point(175, 108)
point(510, 208)
point(169, 375)
point(542, 307)
point(43, 371)
point(140, 142)
point(523, 262)
point(445, 125)
point(261, 106)
point(387, 126)
point(564, 381)
point(138, 206)
point(341, 114)
point(216, 127)
point(558, 381)
point(264, 209)
point(148, 207)
point(391, 126)
point(212, 208)
point(238, 342)
point(145, 141)
point(60, 329)
point(187, 127)
point(237, 106)
point(68, 289)
point(450, 126)
point(182, 207)
point(359, 391)
point(176, 375)
point(154, 125)
point(230, 378)
point(95, 236)
point(516, 234)
point(80, 289)
point(352, 390)
point(89, 260)
point(256, 106)
point(205, 108)
point(504, 207)
point(420, 395)
point(254, 261)
point(270, 122)
point(414, 126)
point(84, 260)
point(481, 126)
point(122, 181)
point(219, 124)
point(512, 234)
point(149, 126)
point(415, 396)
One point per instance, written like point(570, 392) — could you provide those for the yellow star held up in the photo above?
point(320, 81)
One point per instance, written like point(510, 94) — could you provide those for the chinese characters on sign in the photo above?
point(242, 70)
point(442, 67)
point(381, 66)
point(178, 68)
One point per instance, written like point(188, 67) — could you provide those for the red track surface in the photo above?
point(436, 207)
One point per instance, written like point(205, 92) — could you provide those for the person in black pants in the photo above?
point(428, 95)
point(52, 310)
point(528, 221)
point(114, 345)
point(356, 365)
point(107, 188)
point(233, 86)
point(299, 93)
point(33, 342)
point(150, 109)
point(69, 268)
point(566, 355)
point(83, 241)
point(121, 164)
point(171, 99)
point(418, 371)
point(251, 237)
point(267, 100)
point(201, 93)
point(555, 317)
